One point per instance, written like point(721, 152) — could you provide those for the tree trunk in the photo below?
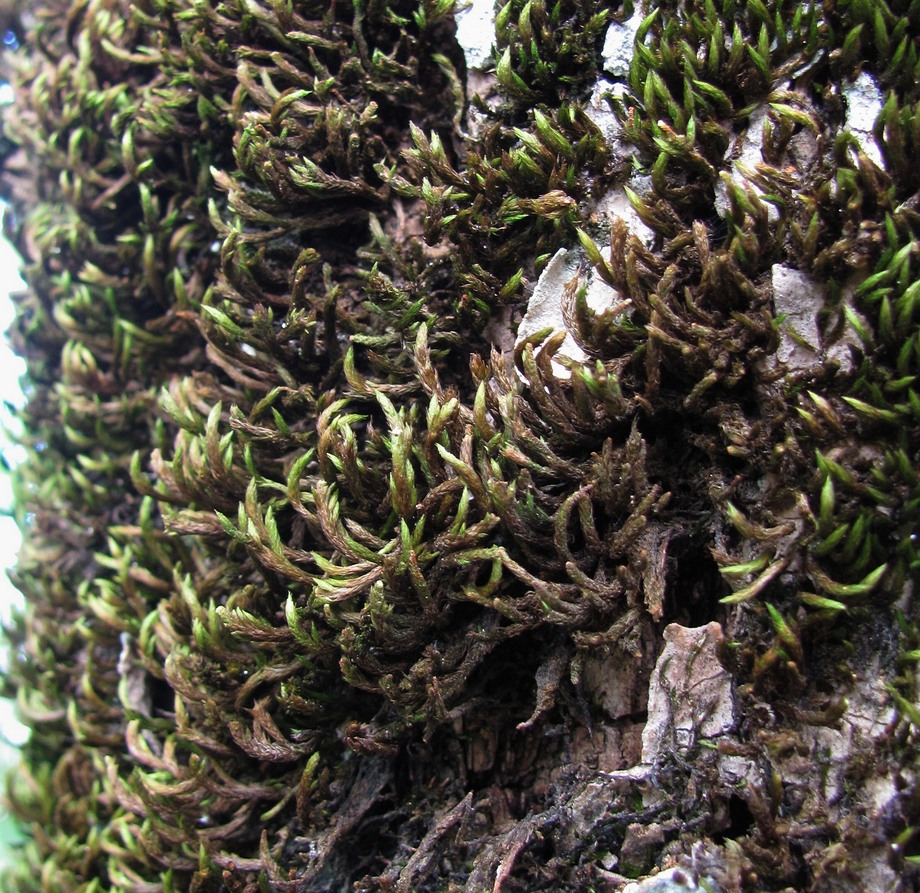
point(462, 465)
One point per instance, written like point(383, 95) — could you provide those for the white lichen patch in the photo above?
point(616, 204)
point(598, 110)
point(690, 695)
point(545, 307)
point(476, 32)
point(798, 298)
point(619, 42)
point(672, 880)
point(743, 156)
point(864, 103)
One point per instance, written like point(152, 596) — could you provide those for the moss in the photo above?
point(313, 549)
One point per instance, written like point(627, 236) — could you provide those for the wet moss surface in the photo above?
point(334, 582)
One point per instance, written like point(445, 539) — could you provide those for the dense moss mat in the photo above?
point(317, 557)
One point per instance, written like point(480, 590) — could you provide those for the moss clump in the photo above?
point(321, 560)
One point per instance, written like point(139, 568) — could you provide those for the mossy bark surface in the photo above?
point(450, 473)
